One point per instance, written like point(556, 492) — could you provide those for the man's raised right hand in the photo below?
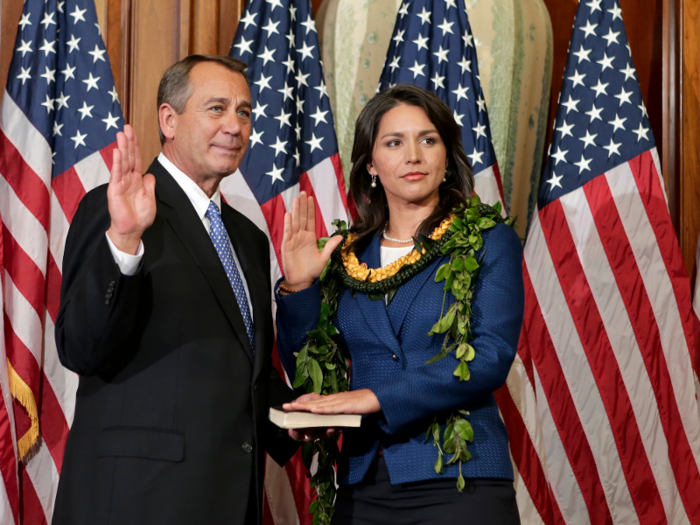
point(131, 197)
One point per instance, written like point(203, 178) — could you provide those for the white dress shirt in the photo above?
point(128, 264)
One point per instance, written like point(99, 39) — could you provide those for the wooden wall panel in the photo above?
point(687, 115)
point(10, 13)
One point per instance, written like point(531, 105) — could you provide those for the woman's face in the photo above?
point(409, 157)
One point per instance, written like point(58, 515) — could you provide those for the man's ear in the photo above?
point(167, 118)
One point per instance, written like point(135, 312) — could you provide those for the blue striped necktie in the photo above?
point(222, 244)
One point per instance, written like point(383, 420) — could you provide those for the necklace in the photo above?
point(395, 240)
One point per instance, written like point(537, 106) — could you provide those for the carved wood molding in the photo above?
point(680, 148)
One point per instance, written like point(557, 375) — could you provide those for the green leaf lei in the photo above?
point(322, 367)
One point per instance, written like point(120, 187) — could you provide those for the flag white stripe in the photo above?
point(620, 333)
point(565, 488)
point(26, 138)
point(44, 477)
point(92, 171)
point(660, 291)
point(486, 187)
point(6, 517)
point(59, 230)
point(280, 496)
point(578, 375)
point(26, 229)
point(325, 184)
point(526, 507)
point(522, 393)
point(25, 322)
point(64, 382)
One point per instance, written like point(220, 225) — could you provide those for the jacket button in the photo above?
point(247, 448)
point(394, 357)
point(113, 283)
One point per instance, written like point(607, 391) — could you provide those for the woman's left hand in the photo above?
point(354, 402)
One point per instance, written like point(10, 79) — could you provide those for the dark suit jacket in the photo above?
point(389, 347)
point(171, 413)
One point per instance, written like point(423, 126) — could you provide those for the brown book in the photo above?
point(307, 420)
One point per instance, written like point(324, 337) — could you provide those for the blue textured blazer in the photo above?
point(389, 347)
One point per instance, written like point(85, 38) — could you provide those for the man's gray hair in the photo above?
point(175, 89)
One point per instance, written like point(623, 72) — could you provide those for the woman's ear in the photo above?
point(370, 169)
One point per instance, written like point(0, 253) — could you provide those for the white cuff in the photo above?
point(127, 263)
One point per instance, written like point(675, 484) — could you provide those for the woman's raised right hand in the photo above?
point(301, 259)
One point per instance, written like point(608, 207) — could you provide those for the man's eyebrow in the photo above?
point(220, 100)
point(245, 104)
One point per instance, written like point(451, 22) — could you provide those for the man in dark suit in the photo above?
point(165, 314)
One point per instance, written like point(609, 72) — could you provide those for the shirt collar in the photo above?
point(197, 197)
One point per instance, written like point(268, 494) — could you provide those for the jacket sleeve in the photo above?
point(98, 304)
point(297, 314)
point(419, 393)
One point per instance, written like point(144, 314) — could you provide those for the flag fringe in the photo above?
point(22, 393)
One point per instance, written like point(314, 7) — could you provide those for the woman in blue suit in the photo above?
point(409, 172)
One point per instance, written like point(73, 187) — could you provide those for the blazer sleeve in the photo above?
point(98, 304)
point(297, 314)
point(497, 313)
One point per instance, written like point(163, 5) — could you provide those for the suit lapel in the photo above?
point(375, 312)
point(180, 214)
point(407, 293)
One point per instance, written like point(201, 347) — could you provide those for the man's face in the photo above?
point(211, 135)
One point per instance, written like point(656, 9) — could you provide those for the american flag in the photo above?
point(58, 123)
point(608, 336)
point(292, 148)
point(433, 47)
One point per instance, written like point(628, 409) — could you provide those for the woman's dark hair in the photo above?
point(371, 202)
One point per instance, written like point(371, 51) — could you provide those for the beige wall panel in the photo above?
point(156, 44)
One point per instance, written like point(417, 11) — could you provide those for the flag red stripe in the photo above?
point(69, 191)
point(274, 211)
point(24, 272)
point(305, 185)
point(653, 198)
point(524, 347)
point(31, 511)
point(525, 456)
point(563, 409)
point(30, 189)
point(303, 494)
point(630, 284)
point(108, 155)
point(338, 168)
point(53, 288)
point(8, 462)
point(497, 175)
point(591, 330)
point(54, 426)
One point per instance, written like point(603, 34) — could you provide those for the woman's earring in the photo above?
point(374, 181)
point(444, 179)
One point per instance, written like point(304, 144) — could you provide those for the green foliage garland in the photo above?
point(322, 367)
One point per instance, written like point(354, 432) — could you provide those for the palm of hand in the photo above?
point(132, 203)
